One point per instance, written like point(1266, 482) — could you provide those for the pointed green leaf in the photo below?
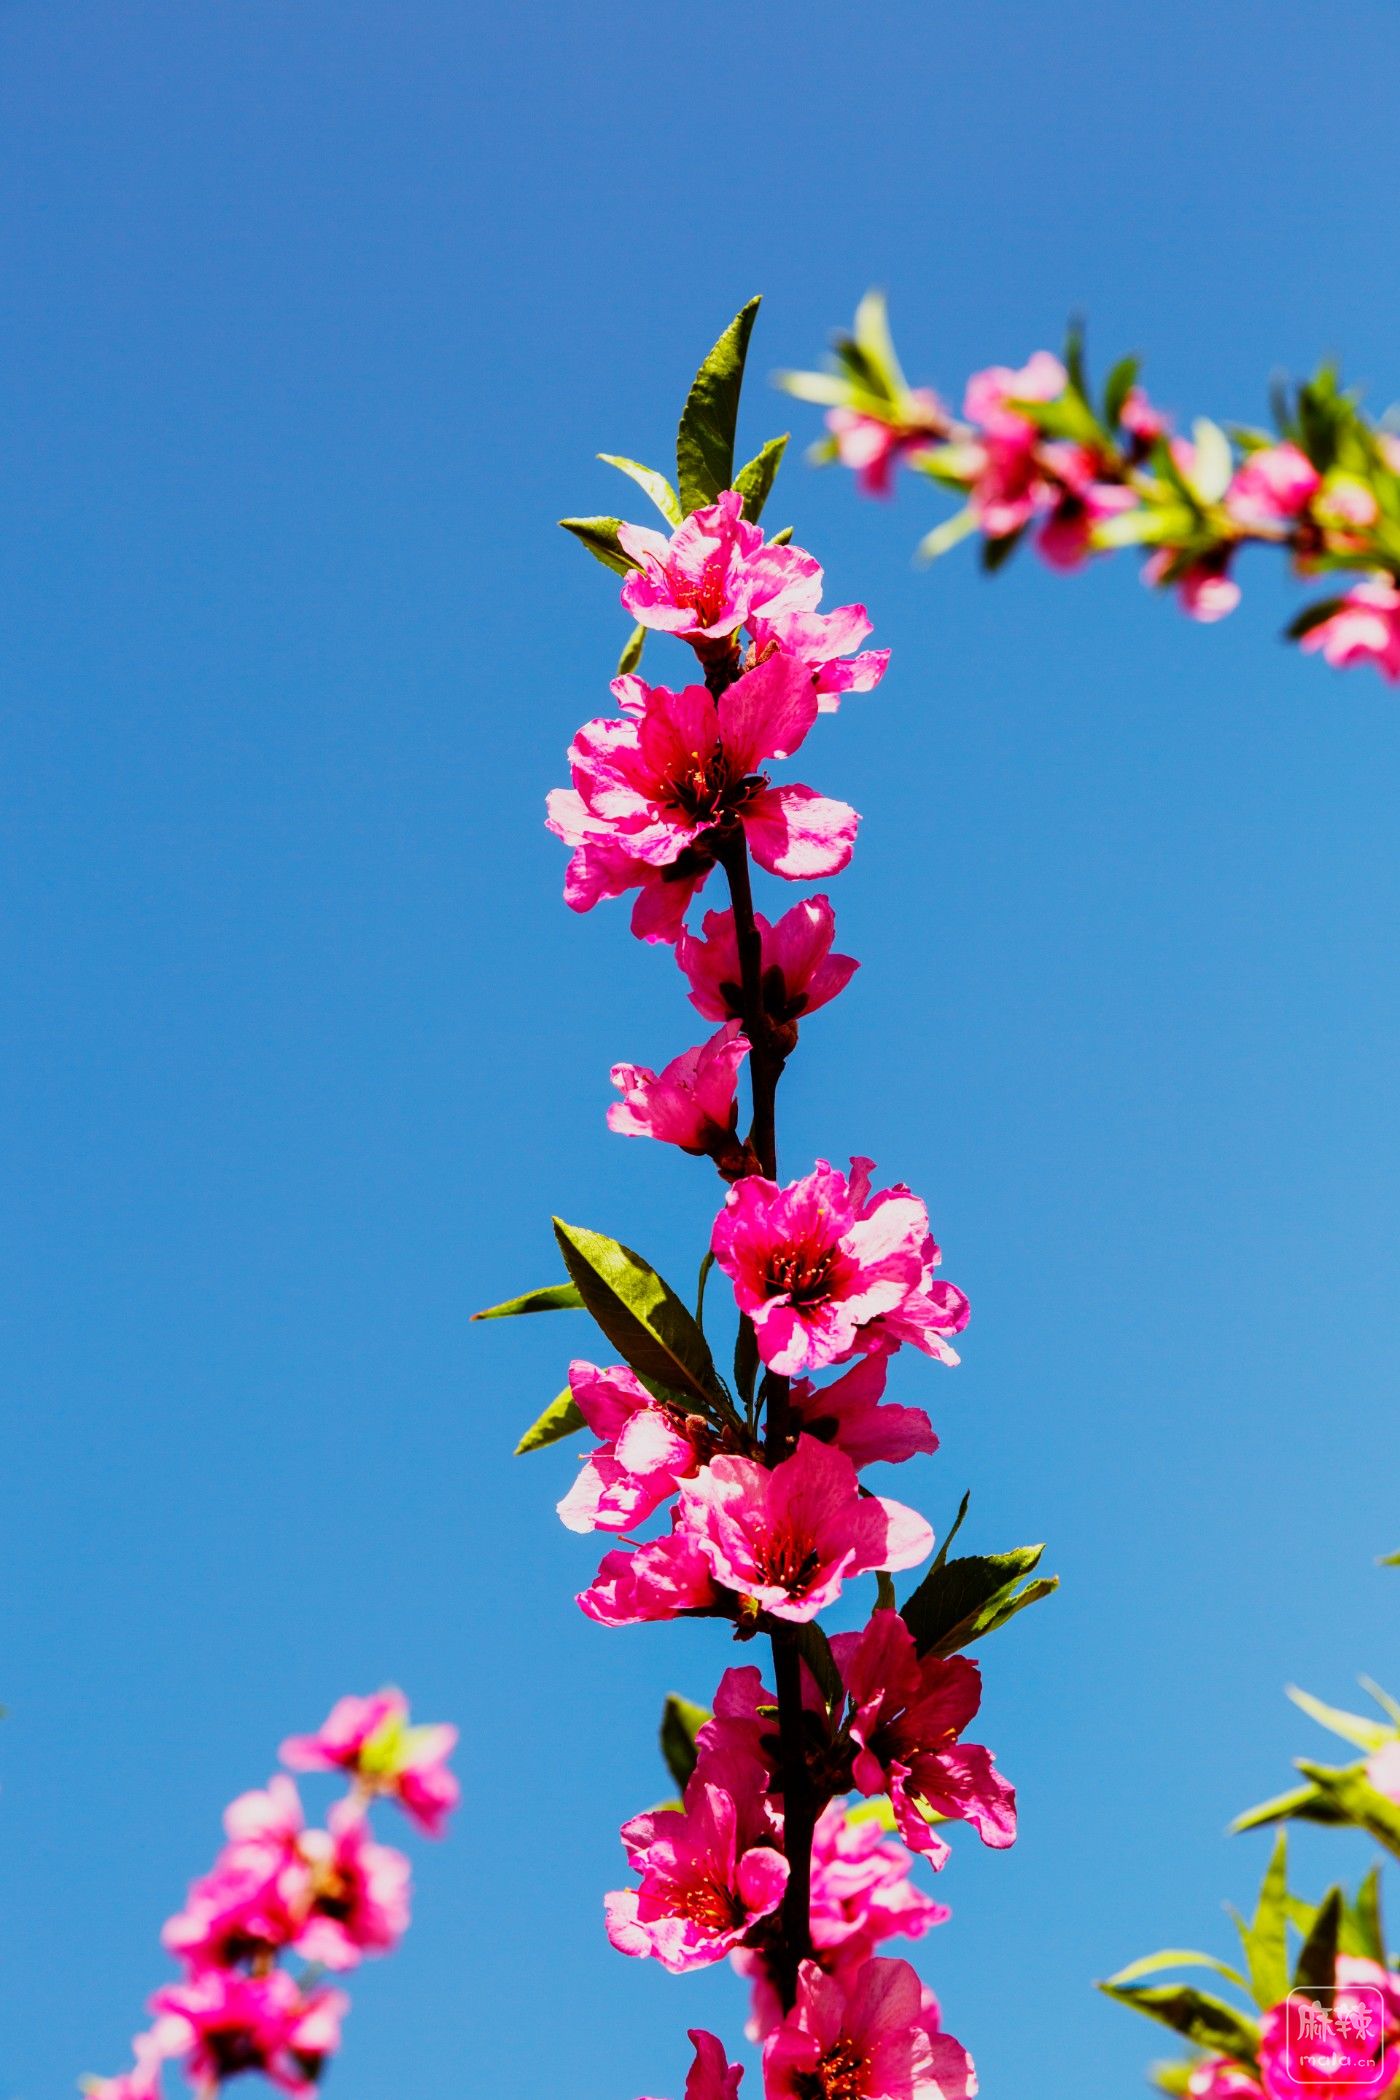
point(681, 1721)
point(650, 483)
point(1266, 1936)
point(1301, 1804)
point(755, 481)
point(1207, 2021)
point(1074, 358)
point(872, 334)
point(822, 389)
point(631, 651)
point(599, 536)
point(1348, 1789)
point(1120, 383)
point(1312, 616)
point(1317, 1959)
point(948, 535)
point(1389, 1560)
point(551, 1297)
point(560, 1419)
point(1177, 1958)
point(885, 1599)
point(1353, 1728)
point(997, 553)
point(641, 1316)
point(1173, 2077)
point(1362, 1932)
point(961, 1600)
point(705, 439)
point(1382, 1698)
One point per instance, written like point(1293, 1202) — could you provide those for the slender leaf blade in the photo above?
point(705, 439)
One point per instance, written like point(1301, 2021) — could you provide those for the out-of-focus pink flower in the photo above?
point(372, 1741)
point(709, 1871)
point(1272, 485)
point(691, 1103)
point(990, 393)
point(800, 973)
point(786, 1539)
point(1205, 591)
point(221, 2022)
point(713, 574)
point(253, 1900)
point(1220, 2078)
point(659, 1580)
point(660, 790)
point(1066, 538)
point(1365, 629)
point(873, 448)
point(359, 1896)
point(711, 2076)
point(142, 2081)
point(824, 1269)
point(644, 1449)
point(908, 1713)
point(1339, 2049)
point(1141, 420)
point(852, 1414)
point(1383, 1770)
point(864, 2036)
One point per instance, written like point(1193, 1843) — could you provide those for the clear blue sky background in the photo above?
point(314, 316)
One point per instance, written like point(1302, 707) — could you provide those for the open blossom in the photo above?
point(1289, 2049)
point(359, 1894)
point(908, 1712)
point(824, 1268)
point(253, 1900)
point(644, 1449)
point(786, 1539)
point(655, 794)
point(865, 2036)
point(800, 973)
point(713, 573)
point(711, 2076)
point(1272, 485)
point(371, 1740)
point(660, 1580)
point(873, 447)
point(1221, 2078)
point(1205, 591)
point(1082, 499)
point(691, 1103)
point(1365, 629)
point(852, 1414)
point(142, 2081)
point(221, 2022)
point(709, 1871)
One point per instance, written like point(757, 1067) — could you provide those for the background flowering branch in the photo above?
point(1039, 453)
point(755, 1474)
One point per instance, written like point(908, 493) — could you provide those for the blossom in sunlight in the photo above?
point(221, 2022)
point(786, 1538)
point(866, 2036)
point(372, 1740)
point(713, 573)
point(691, 1103)
point(711, 2075)
point(359, 1894)
point(708, 1872)
point(873, 447)
point(1364, 629)
point(799, 971)
point(825, 1268)
point(660, 1580)
point(1205, 591)
point(1272, 486)
point(908, 1712)
point(852, 1414)
point(644, 1449)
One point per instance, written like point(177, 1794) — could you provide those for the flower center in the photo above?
point(788, 1562)
point(702, 594)
point(800, 1272)
point(837, 2076)
point(698, 784)
point(710, 1904)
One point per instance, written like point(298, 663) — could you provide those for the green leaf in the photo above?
point(650, 483)
point(1074, 359)
point(1207, 2021)
point(1179, 1958)
point(1348, 1789)
point(1301, 1804)
point(1120, 383)
point(815, 1650)
point(641, 1316)
point(821, 389)
point(1389, 1560)
point(879, 1810)
point(560, 1419)
point(1382, 1698)
point(632, 651)
point(746, 1360)
point(872, 334)
point(1316, 1965)
point(1353, 1728)
point(941, 1556)
point(1151, 524)
point(781, 538)
point(1362, 1932)
point(1312, 616)
point(996, 553)
point(706, 1264)
point(705, 439)
point(1173, 2077)
point(755, 481)
point(962, 1600)
point(681, 1721)
point(1214, 462)
point(599, 536)
point(1266, 1936)
point(947, 535)
point(551, 1297)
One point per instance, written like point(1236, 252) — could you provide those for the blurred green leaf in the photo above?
point(1120, 383)
point(1353, 1728)
point(1316, 1966)
point(1207, 2021)
point(681, 1721)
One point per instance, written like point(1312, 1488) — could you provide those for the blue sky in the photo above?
point(314, 318)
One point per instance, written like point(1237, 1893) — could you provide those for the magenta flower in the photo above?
point(655, 794)
point(709, 1872)
point(824, 1268)
point(660, 1580)
point(907, 1714)
point(800, 973)
point(1221, 2078)
point(785, 1540)
point(221, 2022)
point(873, 448)
point(691, 1103)
point(359, 1894)
point(1081, 500)
point(1365, 629)
point(713, 574)
point(1143, 423)
point(866, 2036)
point(142, 2081)
point(1364, 2014)
point(861, 1890)
point(711, 2076)
point(1383, 1770)
point(988, 401)
point(851, 1414)
point(253, 1900)
point(1206, 591)
point(644, 1449)
point(1272, 486)
point(372, 1741)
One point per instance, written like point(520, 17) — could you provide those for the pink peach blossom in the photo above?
point(711, 2076)
point(359, 1893)
point(799, 971)
point(861, 1890)
point(644, 1449)
point(827, 646)
point(1082, 500)
point(1141, 420)
point(691, 1103)
point(907, 1715)
point(371, 1739)
point(852, 1414)
point(1365, 629)
point(1383, 1770)
point(660, 1580)
point(873, 447)
point(1293, 2063)
point(991, 393)
point(786, 1539)
point(866, 2036)
point(222, 2022)
point(824, 1269)
point(254, 1898)
point(709, 1872)
point(713, 573)
point(1221, 2078)
point(1271, 486)
point(142, 2081)
point(1205, 592)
